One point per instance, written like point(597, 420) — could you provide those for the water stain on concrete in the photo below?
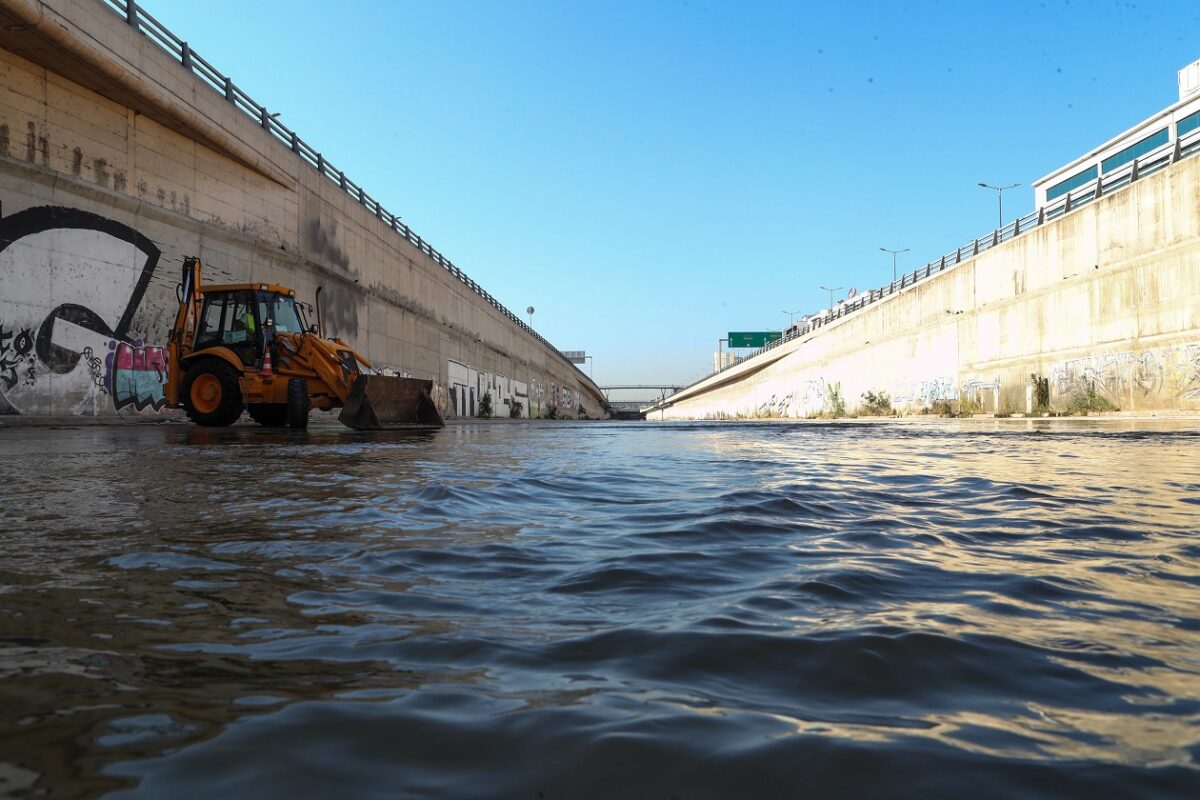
point(340, 307)
point(323, 245)
point(100, 171)
point(4, 139)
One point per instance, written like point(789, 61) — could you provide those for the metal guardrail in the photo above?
point(141, 21)
point(1147, 164)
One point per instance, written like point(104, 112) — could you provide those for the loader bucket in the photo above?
point(381, 401)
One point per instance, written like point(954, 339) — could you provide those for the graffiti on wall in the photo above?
point(70, 284)
point(927, 391)
point(537, 397)
point(467, 386)
point(1128, 377)
point(136, 375)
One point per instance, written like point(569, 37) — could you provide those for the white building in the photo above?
point(1177, 126)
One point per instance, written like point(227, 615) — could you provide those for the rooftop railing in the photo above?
point(141, 21)
point(1155, 160)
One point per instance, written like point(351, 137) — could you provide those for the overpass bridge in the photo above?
point(634, 409)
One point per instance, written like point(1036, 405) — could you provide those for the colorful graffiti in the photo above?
point(137, 375)
point(70, 284)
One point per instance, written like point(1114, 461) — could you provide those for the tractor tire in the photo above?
point(269, 415)
point(297, 404)
point(212, 396)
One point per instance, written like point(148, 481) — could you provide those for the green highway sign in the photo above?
point(752, 338)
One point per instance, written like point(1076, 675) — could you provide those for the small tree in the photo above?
point(834, 400)
point(515, 408)
point(1041, 392)
point(485, 405)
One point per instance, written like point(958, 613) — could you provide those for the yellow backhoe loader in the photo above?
point(247, 346)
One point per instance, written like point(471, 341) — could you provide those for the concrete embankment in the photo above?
point(1101, 303)
point(116, 161)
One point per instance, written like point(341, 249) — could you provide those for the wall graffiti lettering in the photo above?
point(468, 386)
point(70, 284)
point(1128, 377)
point(137, 375)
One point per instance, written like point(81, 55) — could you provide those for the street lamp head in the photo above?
point(984, 185)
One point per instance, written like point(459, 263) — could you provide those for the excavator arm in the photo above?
point(183, 332)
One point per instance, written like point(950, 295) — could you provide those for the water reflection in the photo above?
point(707, 603)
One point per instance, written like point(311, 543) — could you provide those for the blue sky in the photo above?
point(650, 176)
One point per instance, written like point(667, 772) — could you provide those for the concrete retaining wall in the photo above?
point(116, 163)
point(1105, 299)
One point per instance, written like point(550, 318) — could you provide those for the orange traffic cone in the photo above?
point(266, 370)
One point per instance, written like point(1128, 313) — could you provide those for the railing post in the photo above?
point(131, 13)
point(1041, 215)
point(185, 54)
point(1017, 227)
point(943, 266)
point(1133, 171)
point(342, 180)
point(1099, 188)
point(995, 237)
point(1067, 207)
point(266, 118)
point(975, 250)
point(362, 197)
point(1177, 153)
point(295, 143)
point(321, 164)
point(958, 256)
point(229, 89)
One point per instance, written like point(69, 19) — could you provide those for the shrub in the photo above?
point(485, 405)
point(876, 403)
point(1088, 401)
point(515, 408)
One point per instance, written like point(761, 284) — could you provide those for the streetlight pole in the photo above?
point(592, 366)
point(831, 291)
point(894, 254)
point(791, 317)
point(529, 311)
point(721, 354)
point(999, 197)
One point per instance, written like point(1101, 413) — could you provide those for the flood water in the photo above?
point(610, 610)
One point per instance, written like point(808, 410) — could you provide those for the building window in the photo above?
point(1151, 142)
point(1188, 124)
point(1074, 182)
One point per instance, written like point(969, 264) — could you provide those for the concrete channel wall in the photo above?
point(1103, 300)
point(116, 162)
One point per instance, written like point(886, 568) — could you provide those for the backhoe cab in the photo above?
point(250, 347)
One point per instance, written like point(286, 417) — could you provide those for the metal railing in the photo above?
point(141, 21)
point(1137, 169)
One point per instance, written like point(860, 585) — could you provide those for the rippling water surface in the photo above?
point(572, 610)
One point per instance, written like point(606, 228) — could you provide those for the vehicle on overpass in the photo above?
point(247, 346)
